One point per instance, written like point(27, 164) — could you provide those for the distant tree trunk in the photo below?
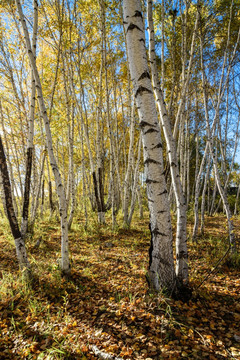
point(135, 183)
point(197, 194)
point(50, 193)
point(223, 195)
point(213, 195)
point(112, 155)
point(19, 242)
point(3, 196)
point(236, 202)
point(161, 266)
point(71, 174)
point(126, 185)
point(84, 195)
point(98, 189)
point(188, 71)
point(140, 203)
point(227, 177)
point(204, 195)
point(42, 202)
point(37, 194)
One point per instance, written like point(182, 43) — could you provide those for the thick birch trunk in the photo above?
point(181, 236)
point(161, 266)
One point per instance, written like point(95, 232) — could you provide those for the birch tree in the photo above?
point(161, 266)
point(181, 235)
point(19, 241)
point(26, 197)
point(65, 264)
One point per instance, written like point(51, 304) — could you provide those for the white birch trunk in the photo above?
point(25, 212)
point(181, 235)
point(65, 264)
point(161, 265)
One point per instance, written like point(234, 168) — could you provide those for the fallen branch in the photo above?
point(104, 355)
point(215, 267)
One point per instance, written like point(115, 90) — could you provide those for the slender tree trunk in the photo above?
point(236, 202)
point(50, 193)
point(37, 194)
point(43, 197)
point(140, 202)
point(127, 185)
point(26, 196)
point(65, 263)
point(213, 196)
point(71, 174)
point(3, 196)
point(204, 195)
point(135, 183)
point(197, 194)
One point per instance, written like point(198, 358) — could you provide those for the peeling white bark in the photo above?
point(161, 265)
point(181, 235)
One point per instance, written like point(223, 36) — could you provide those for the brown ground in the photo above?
point(106, 301)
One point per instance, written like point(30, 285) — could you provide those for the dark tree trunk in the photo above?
point(26, 197)
point(19, 242)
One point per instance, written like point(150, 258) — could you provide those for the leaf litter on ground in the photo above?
point(106, 309)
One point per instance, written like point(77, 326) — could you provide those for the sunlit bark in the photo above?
point(161, 267)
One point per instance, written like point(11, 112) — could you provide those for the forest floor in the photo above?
point(105, 310)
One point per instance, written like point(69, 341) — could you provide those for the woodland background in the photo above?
point(98, 222)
